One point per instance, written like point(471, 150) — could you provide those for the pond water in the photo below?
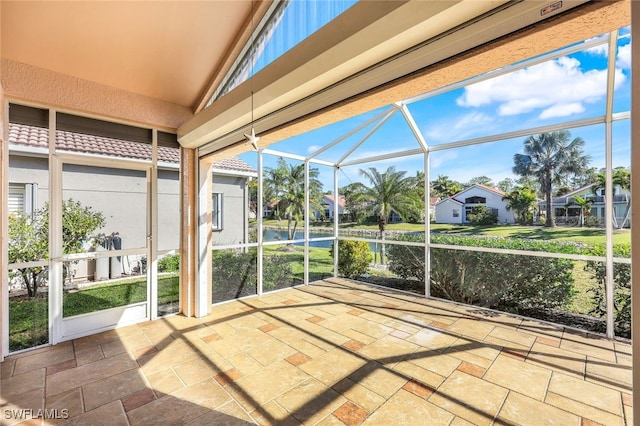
point(278, 235)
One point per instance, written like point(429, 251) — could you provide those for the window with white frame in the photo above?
point(456, 212)
point(216, 212)
point(23, 197)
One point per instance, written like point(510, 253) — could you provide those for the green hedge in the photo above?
point(235, 273)
point(509, 282)
point(622, 287)
point(169, 263)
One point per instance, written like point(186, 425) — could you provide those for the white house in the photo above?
point(328, 202)
point(449, 210)
point(456, 208)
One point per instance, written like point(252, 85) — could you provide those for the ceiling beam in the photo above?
point(570, 27)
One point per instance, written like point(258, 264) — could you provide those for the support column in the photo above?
point(189, 231)
point(336, 223)
point(427, 227)
point(259, 213)
point(4, 225)
point(307, 215)
point(56, 279)
point(152, 232)
point(609, 190)
point(203, 206)
point(635, 212)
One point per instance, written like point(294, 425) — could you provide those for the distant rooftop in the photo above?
point(38, 137)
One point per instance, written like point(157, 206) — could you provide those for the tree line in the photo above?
point(551, 165)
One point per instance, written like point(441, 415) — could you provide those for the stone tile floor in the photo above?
point(332, 353)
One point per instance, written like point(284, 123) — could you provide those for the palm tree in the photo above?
point(550, 158)
point(390, 192)
point(585, 206)
point(621, 177)
point(522, 200)
point(480, 180)
point(444, 187)
point(353, 202)
point(285, 188)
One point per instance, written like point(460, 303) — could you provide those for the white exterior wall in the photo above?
point(235, 217)
point(328, 204)
point(122, 196)
point(444, 209)
point(25, 170)
point(494, 201)
point(444, 212)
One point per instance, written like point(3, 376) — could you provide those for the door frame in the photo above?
point(63, 329)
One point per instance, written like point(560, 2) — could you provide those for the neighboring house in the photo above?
point(456, 209)
point(120, 192)
point(269, 210)
point(432, 207)
point(566, 211)
point(449, 210)
point(230, 211)
point(328, 202)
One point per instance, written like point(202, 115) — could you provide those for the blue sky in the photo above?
point(565, 89)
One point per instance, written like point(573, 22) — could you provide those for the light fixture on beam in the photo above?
point(252, 137)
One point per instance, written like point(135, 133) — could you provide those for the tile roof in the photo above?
point(38, 137)
point(341, 200)
point(489, 188)
point(234, 163)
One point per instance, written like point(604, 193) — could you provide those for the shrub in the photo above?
point(509, 282)
point(353, 258)
point(235, 273)
point(170, 263)
point(622, 287)
point(592, 221)
point(276, 271)
point(482, 215)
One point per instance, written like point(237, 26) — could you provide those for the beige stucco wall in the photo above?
point(36, 85)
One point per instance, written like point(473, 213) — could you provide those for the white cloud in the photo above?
point(599, 50)
point(558, 87)
point(562, 110)
point(457, 127)
point(368, 153)
point(440, 158)
point(313, 148)
point(472, 120)
point(623, 61)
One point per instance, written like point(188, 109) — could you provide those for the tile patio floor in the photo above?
point(331, 353)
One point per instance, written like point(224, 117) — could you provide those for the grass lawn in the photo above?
point(587, 236)
point(28, 322)
point(107, 296)
point(28, 318)
point(582, 301)
point(320, 261)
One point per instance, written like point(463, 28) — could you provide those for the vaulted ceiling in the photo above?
point(166, 50)
point(175, 52)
